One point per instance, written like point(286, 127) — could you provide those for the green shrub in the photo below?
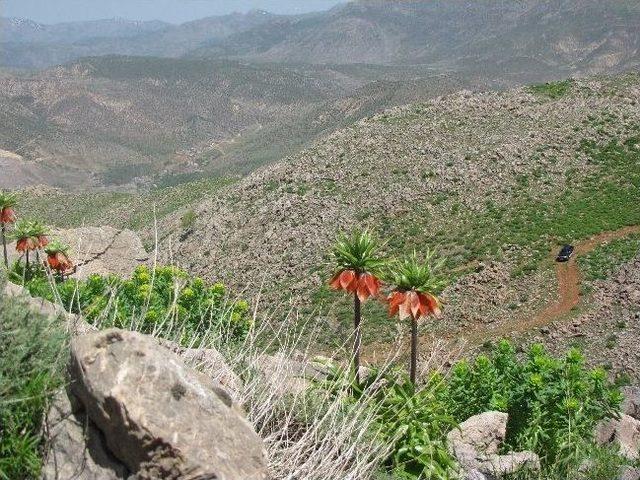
point(552, 90)
point(33, 350)
point(165, 301)
point(553, 404)
point(188, 220)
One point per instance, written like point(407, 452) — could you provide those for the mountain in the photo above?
point(123, 120)
point(493, 180)
point(572, 35)
point(488, 37)
point(31, 45)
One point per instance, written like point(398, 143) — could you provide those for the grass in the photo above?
point(552, 90)
point(119, 210)
point(604, 260)
point(33, 351)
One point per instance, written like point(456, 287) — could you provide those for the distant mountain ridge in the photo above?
point(582, 36)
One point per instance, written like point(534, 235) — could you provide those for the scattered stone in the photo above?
point(159, 417)
point(631, 402)
point(475, 446)
point(630, 473)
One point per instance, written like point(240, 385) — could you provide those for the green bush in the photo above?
point(33, 351)
point(553, 406)
point(165, 301)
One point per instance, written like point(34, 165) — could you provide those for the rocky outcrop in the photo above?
point(156, 417)
point(631, 403)
point(623, 432)
point(475, 446)
point(102, 250)
point(287, 375)
point(76, 325)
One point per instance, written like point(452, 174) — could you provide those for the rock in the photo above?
point(104, 250)
point(475, 446)
point(631, 402)
point(76, 324)
point(208, 361)
point(159, 417)
point(624, 433)
point(101, 250)
point(75, 446)
point(629, 473)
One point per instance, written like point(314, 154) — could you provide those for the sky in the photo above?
point(174, 11)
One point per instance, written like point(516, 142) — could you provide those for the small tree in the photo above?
point(30, 236)
point(357, 261)
point(58, 258)
point(416, 286)
point(8, 202)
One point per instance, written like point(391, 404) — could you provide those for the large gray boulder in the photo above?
point(75, 447)
point(160, 418)
point(623, 432)
point(475, 444)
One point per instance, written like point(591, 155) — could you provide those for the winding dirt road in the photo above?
point(568, 277)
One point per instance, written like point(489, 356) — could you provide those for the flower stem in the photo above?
point(357, 340)
point(414, 350)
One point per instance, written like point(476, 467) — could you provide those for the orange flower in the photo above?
point(7, 215)
point(364, 284)
point(26, 244)
point(414, 304)
point(43, 241)
point(59, 261)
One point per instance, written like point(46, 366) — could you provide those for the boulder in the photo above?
point(101, 250)
point(629, 473)
point(208, 361)
point(75, 323)
point(160, 418)
point(475, 444)
point(623, 432)
point(631, 402)
point(75, 447)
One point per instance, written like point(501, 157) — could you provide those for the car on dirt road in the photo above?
point(565, 253)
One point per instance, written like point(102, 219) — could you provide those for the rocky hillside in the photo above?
point(494, 180)
point(117, 120)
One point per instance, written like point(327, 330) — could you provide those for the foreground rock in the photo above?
point(475, 446)
point(159, 418)
point(76, 448)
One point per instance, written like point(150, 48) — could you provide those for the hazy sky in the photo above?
point(175, 11)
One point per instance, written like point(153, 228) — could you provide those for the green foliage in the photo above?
point(553, 404)
point(600, 263)
point(33, 351)
point(165, 301)
point(28, 229)
point(413, 420)
point(188, 220)
point(553, 90)
point(7, 200)
point(422, 276)
point(56, 246)
point(359, 252)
